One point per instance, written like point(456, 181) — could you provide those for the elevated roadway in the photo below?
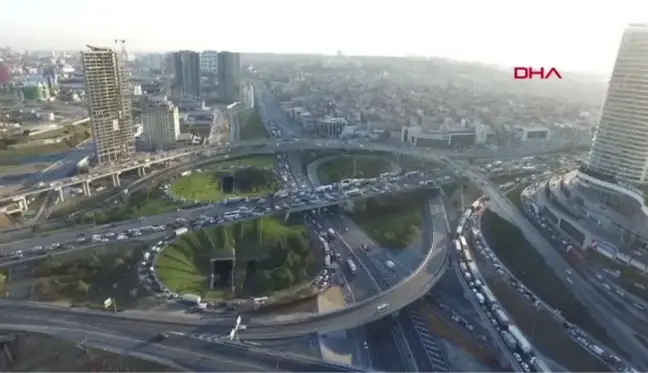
point(598, 305)
point(182, 352)
point(250, 147)
point(259, 328)
point(71, 235)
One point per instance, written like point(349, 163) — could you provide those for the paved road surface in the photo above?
point(600, 308)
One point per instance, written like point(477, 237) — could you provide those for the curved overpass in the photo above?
point(253, 147)
point(416, 285)
point(409, 290)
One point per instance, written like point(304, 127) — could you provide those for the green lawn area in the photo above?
point(89, 277)
point(142, 203)
point(393, 222)
point(198, 187)
point(528, 266)
point(206, 186)
point(251, 126)
point(343, 168)
point(281, 254)
point(9, 154)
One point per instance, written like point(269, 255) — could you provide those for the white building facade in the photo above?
point(160, 125)
point(619, 146)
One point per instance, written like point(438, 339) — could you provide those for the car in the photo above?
point(382, 307)
point(160, 337)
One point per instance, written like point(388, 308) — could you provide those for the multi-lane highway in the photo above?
point(292, 201)
point(597, 304)
point(181, 350)
point(395, 292)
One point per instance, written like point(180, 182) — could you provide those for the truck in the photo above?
point(508, 339)
point(327, 261)
point(522, 342)
point(597, 349)
point(467, 276)
point(480, 298)
point(502, 317)
point(180, 231)
point(191, 298)
point(488, 294)
point(233, 200)
point(463, 267)
point(539, 365)
point(331, 233)
point(472, 267)
point(389, 264)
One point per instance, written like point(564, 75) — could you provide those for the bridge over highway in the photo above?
point(251, 147)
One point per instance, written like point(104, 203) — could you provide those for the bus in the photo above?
point(352, 266)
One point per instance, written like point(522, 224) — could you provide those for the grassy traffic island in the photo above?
point(144, 202)
point(85, 278)
point(212, 185)
point(251, 125)
point(392, 221)
point(352, 166)
point(259, 256)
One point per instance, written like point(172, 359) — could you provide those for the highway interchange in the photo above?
point(355, 315)
point(372, 285)
point(598, 305)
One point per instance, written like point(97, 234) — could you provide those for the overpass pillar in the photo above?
point(86, 188)
point(115, 180)
point(61, 197)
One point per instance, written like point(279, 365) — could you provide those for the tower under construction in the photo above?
point(109, 105)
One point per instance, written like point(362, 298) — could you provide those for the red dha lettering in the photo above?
point(527, 73)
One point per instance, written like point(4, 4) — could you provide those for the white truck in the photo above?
point(597, 349)
point(180, 231)
point(191, 298)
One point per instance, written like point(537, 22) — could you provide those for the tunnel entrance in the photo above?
point(222, 272)
point(228, 184)
point(241, 275)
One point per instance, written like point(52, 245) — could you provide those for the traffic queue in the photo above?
point(514, 339)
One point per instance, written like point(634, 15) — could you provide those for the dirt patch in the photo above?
point(331, 299)
point(9, 190)
point(32, 352)
point(6, 222)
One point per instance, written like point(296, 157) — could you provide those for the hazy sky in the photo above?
point(569, 34)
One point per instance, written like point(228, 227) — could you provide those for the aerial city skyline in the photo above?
point(207, 208)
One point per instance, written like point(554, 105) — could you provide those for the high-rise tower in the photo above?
point(620, 145)
point(229, 76)
point(187, 73)
point(109, 105)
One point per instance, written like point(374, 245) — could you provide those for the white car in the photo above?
point(383, 307)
